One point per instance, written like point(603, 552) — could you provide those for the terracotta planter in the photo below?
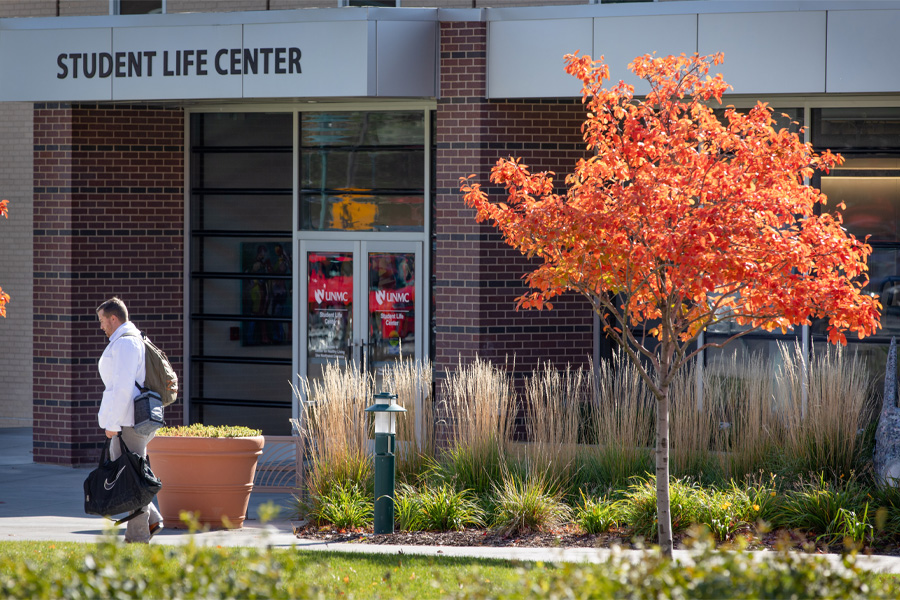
point(211, 477)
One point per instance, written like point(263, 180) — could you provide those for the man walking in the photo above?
point(121, 366)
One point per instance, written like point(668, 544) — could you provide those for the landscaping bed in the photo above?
point(569, 538)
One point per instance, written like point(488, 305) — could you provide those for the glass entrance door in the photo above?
point(361, 303)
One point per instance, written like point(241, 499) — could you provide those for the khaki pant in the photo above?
point(138, 528)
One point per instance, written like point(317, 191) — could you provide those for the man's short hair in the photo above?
point(114, 306)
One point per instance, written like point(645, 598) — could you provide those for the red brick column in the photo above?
point(108, 220)
point(478, 277)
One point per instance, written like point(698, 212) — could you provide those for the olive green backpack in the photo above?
point(160, 377)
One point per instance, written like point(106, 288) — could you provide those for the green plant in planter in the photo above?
point(208, 431)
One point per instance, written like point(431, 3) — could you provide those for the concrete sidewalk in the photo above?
point(45, 503)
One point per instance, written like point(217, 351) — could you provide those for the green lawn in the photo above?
point(45, 569)
point(112, 570)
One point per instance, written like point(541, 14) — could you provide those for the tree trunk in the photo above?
point(663, 511)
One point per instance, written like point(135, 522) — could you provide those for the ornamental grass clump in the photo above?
point(695, 434)
point(556, 403)
point(333, 429)
point(530, 503)
point(621, 423)
point(477, 409)
point(824, 431)
point(742, 396)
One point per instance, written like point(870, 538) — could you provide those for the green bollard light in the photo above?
point(385, 410)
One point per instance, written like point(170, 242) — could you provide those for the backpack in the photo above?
point(160, 377)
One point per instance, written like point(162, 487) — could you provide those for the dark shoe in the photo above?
point(155, 528)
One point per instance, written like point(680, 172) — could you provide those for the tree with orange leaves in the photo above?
point(4, 297)
point(679, 221)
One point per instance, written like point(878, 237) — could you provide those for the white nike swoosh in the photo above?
point(107, 485)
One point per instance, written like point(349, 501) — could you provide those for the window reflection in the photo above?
point(362, 171)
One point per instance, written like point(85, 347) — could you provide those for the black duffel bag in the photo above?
point(124, 485)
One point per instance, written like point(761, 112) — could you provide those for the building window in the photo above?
point(869, 184)
point(362, 171)
point(137, 7)
point(241, 269)
point(376, 3)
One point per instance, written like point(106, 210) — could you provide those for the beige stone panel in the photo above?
point(16, 271)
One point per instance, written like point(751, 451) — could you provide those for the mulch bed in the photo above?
point(562, 538)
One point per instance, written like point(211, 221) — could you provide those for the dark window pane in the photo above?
point(140, 7)
point(226, 130)
point(241, 211)
point(222, 339)
point(242, 170)
point(857, 130)
point(396, 169)
point(873, 205)
point(220, 254)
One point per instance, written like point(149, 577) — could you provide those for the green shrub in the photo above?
point(596, 515)
point(765, 500)
point(407, 515)
point(531, 503)
point(885, 515)
point(724, 512)
point(815, 505)
point(436, 508)
point(854, 530)
point(345, 506)
point(639, 506)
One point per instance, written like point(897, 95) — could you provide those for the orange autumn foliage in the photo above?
point(690, 219)
point(4, 298)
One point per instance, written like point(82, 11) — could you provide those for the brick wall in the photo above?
point(478, 277)
point(28, 8)
point(82, 8)
point(108, 220)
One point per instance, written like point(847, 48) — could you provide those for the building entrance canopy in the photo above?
point(250, 55)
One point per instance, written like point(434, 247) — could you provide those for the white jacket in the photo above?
point(121, 365)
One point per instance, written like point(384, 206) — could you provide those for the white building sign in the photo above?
point(248, 60)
